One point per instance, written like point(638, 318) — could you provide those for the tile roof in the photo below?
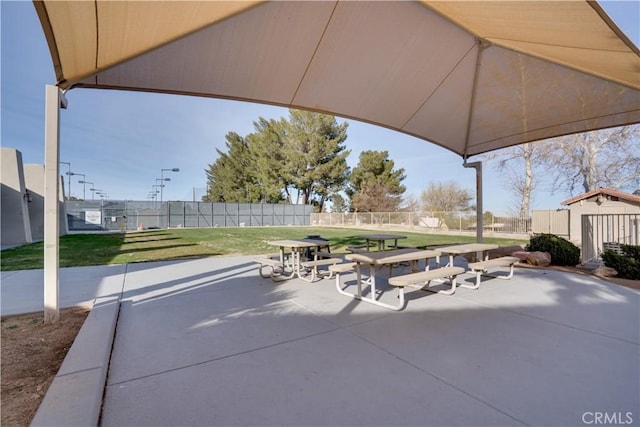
point(606, 191)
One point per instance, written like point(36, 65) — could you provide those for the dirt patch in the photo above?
point(32, 352)
point(633, 284)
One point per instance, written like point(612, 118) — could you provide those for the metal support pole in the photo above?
point(54, 99)
point(161, 183)
point(478, 167)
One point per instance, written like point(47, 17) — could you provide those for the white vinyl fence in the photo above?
point(608, 231)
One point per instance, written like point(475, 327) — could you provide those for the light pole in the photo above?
point(69, 165)
point(70, 175)
point(153, 195)
point(162, 180)
point(84, 189)
point(93, 192)
point(162, 177)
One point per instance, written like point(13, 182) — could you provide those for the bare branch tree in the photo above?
point(604, 158)
point(445, 197)
point(517, 163)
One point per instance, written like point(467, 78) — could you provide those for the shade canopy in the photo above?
point(469, 76)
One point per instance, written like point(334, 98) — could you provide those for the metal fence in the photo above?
point(600, 231)
point(121, 215)
point(429, 221)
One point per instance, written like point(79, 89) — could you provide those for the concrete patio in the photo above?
point(209, 342)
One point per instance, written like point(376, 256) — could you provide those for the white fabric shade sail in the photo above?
point(469, 76)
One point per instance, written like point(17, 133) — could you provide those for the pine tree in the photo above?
point(314, 157)
point(374, 186)
point(265, 146)
point(305, 155)
point(230, 177)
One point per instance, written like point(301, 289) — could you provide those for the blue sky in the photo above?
point(122, 140)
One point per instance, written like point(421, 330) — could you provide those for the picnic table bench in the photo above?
point(481, 267)
point(425, 277)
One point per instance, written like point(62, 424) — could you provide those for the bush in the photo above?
point(562, 251)
point(627, 265)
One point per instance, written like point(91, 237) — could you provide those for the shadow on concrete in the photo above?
point(226, 347)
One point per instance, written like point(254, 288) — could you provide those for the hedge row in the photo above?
point(562, 251)
point(627, 265)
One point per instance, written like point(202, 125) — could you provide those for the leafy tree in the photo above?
point(445, 197)
point(230, 177)
point(339, 204)
point(314, 157)
point(374, 185)
point(265, 146)
point(305, 154)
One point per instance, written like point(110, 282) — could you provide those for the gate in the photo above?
point(600, 231)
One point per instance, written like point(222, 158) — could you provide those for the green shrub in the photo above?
point(562, 251)
point(627, 265)
point(632, 251)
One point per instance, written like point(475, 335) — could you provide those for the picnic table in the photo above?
point(380, 239)
point(375, 260)
point(291, 251)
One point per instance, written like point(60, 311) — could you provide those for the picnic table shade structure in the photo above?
point(471, 77)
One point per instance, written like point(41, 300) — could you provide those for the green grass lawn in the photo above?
point(158, 245)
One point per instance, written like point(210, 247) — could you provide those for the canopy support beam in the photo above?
point(54, 100)
point(479, 223)
point(482, 45)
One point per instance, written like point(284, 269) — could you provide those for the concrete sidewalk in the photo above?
point(209, 342)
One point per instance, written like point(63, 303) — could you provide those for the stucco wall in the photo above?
point(34, 181)
point(16, 229)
